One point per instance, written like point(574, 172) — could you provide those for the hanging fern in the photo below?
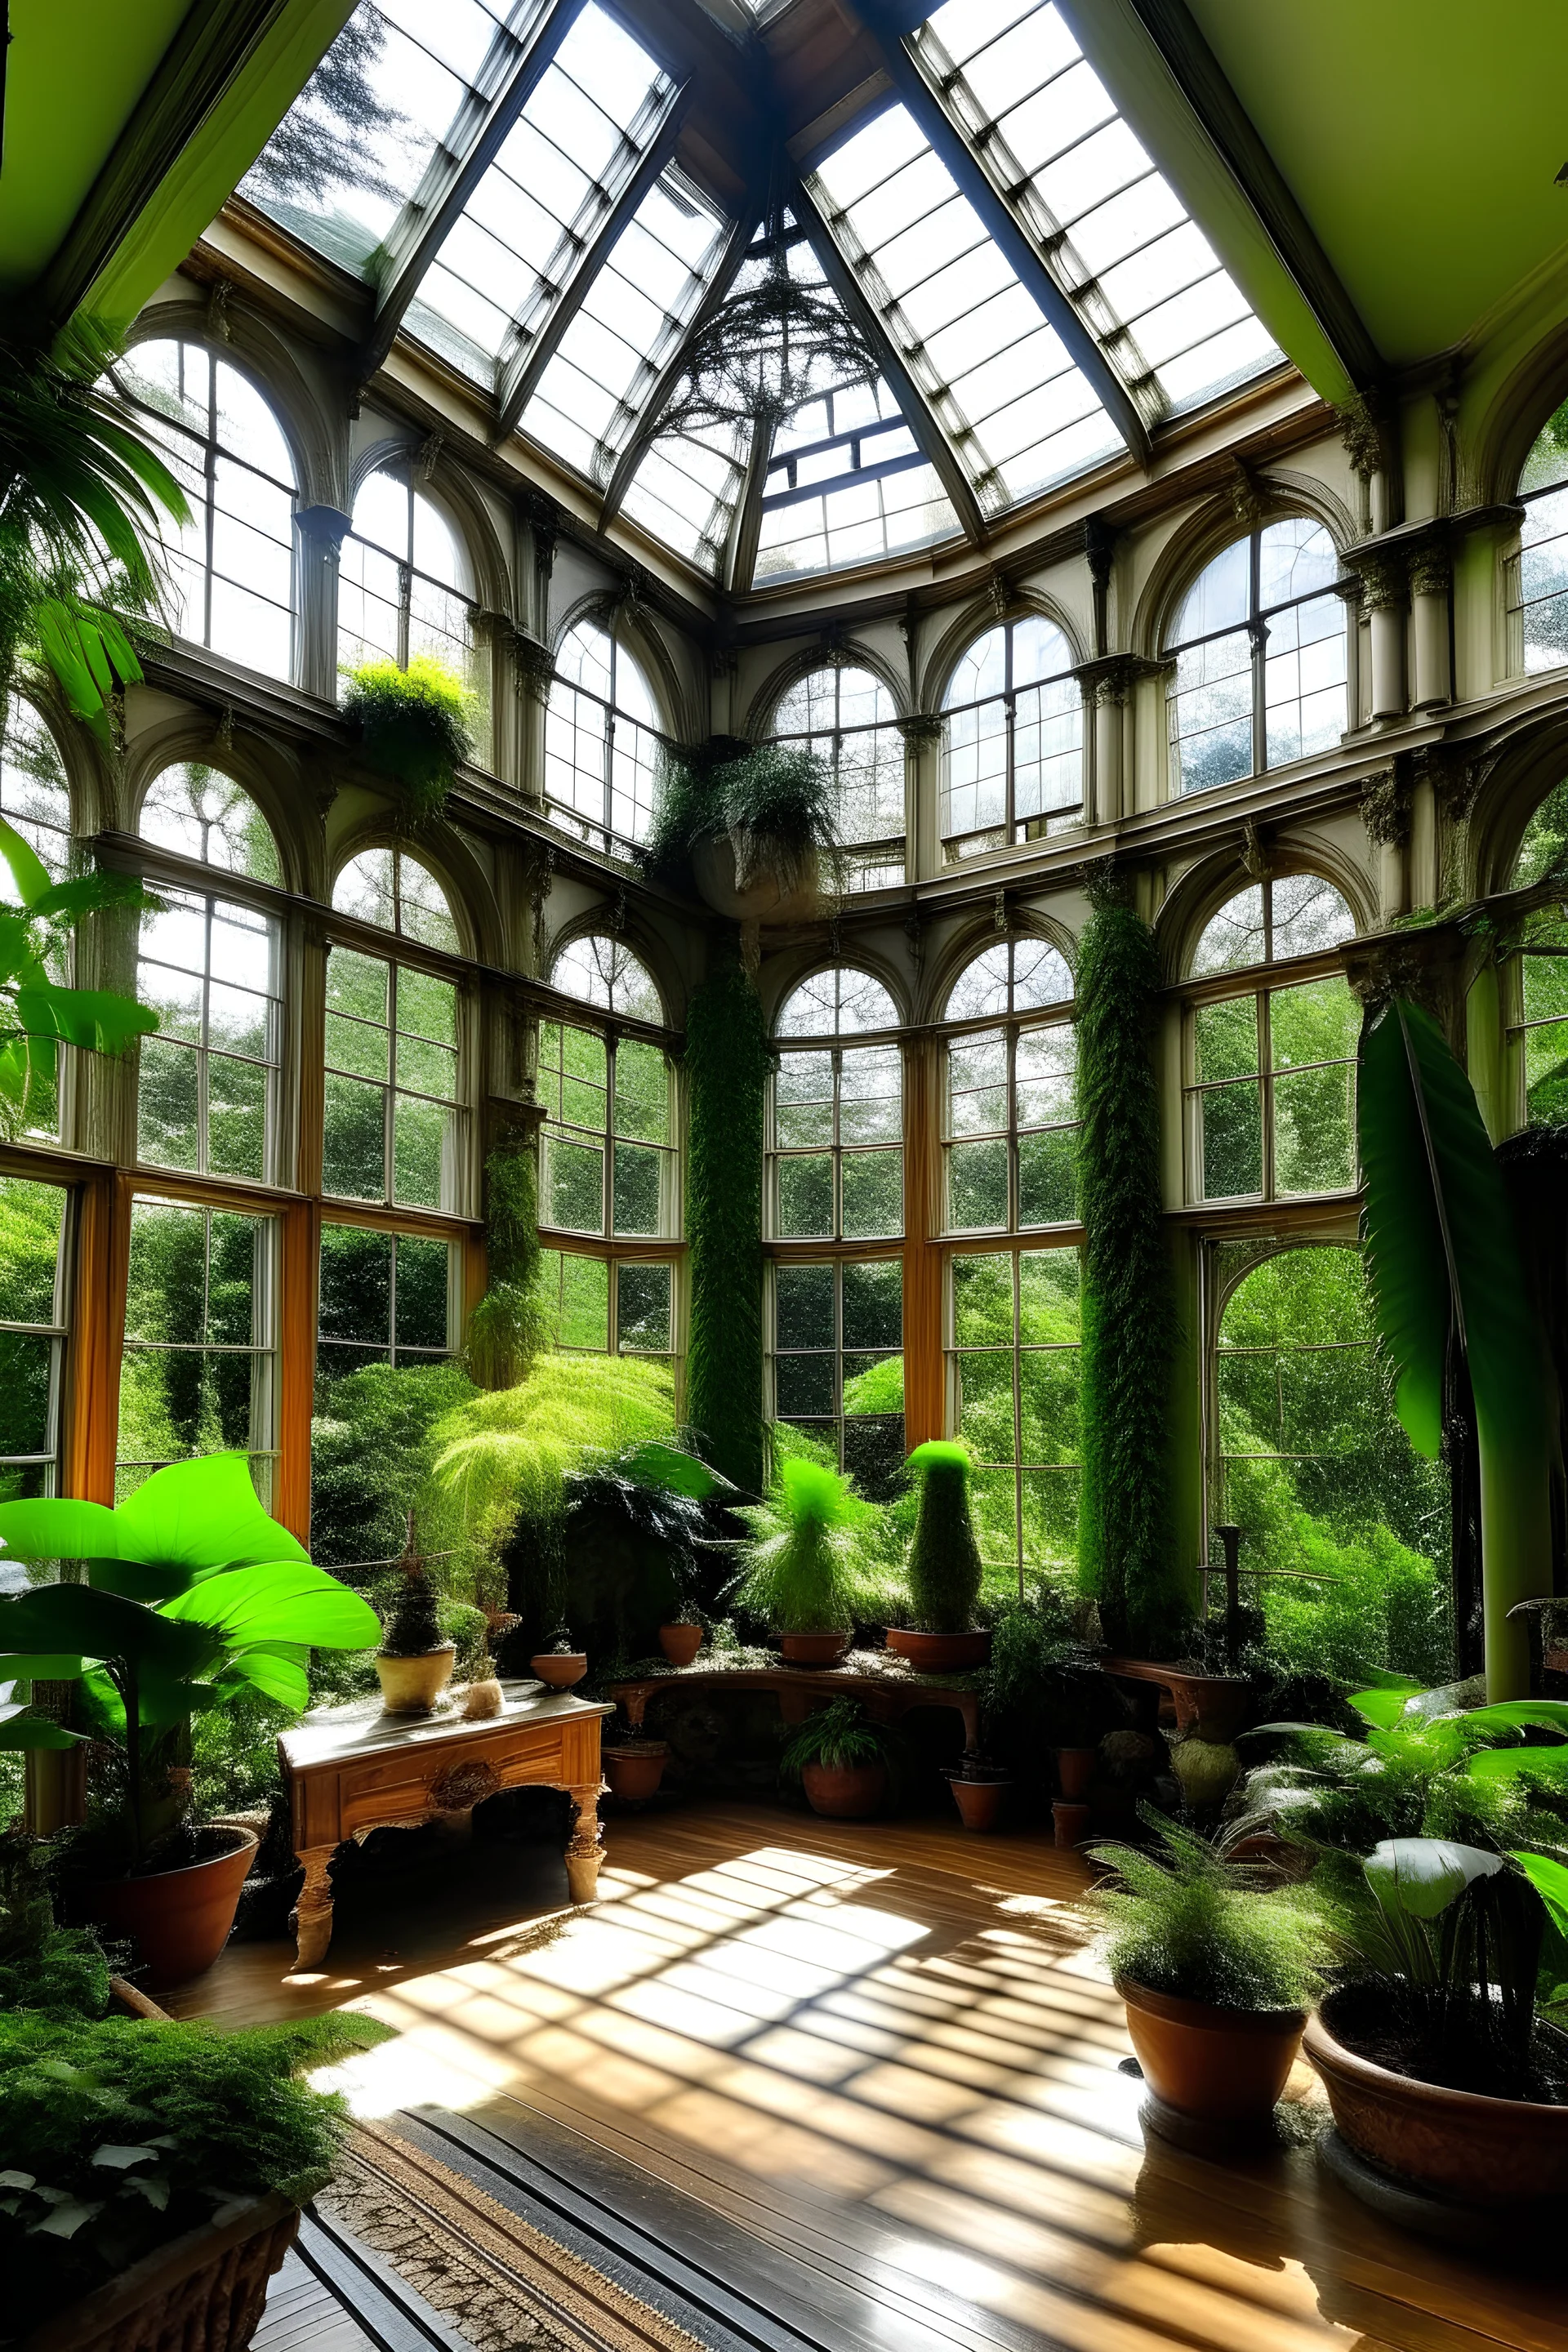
point(727, 1063)
point(775, 801)
point(415, 726)
point(1126, 1544)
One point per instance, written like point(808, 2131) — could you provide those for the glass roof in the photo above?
point(507, 181)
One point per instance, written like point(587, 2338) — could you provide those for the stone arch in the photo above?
point(1512, 420)
point(252, 346)
point(451, 491)
point(972, 938)
point(782, 975)
point(1211, 883)
point(252, 760)
point(631, 624)
point(629, 932)
point(448, 857)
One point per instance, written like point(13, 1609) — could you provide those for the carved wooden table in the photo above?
point(350, 1769)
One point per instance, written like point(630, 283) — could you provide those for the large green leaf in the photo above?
point(43, 1668)
point(1521, 1714)
point(1421, 1876)
point(58, 1529)
point(1550, 1880)
point(57, 1619)
point(1440, 1245)
point(18, 1730)
point(1495, 1765)
point(94, 1018)
point(202, 1515)
point(1385, 1704)
point(277, 1679)
point(285, 1601)
point(29, 871)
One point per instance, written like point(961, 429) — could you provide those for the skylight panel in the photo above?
point(1140, 272)
point(685, 493)
point(1017, 409)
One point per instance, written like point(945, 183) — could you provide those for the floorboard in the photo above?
point(873, 2065)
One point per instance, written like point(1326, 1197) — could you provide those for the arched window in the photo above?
point(232, 565)
point(1260, 660)
point(394, 1127)
point(1011, 1144)
point(1308, 1459)
point(601, 739)
point(847, 718)
point(835, 1169)
point(1012, 762)
point(608, 1167)
point(1537, 584)
point(1271, 1065)
point(404, 583)
point(1540, 1033)
point(34, 793)
point(211, 967)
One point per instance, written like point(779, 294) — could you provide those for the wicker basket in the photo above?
point(205, 2290)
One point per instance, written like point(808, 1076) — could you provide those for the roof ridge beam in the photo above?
point(929, 107)
point(512, 69)
point(520, 376)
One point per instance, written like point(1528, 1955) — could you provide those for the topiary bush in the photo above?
point(798, 1564)
point(415, 726)
point(944, 1569)
point(413, 1627)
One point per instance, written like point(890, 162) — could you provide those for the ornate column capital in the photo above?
point(920, 726)
point(1431, 568)
point(1361, 430)
point(1382, 572)
point(1425, 965)
point(1385, 807)
point(1109, 678)
point(533, 665)
point(322, 527)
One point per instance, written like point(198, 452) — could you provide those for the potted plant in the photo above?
point(1217, 1969)
point(193, 1598)
point(1448, 2077)
point(560, 1666)
point(944, 1569)
point(755, 823)
point(1042, 1683)
point(680, 1637)
point(415, 726)
point(414, 1663)
point(840, 1758)
point(978, 1789)
point(634, 1767)
point(798, 1563)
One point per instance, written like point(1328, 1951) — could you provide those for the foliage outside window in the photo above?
point(1308, 1459)
point(609, 1162)
point(394, 891)
point(1271, 1089)
point(1011, 1136)
point(231, 566)
point(847, 718)
point(1012, 764)
point(1540, 1033)
point(385, 1298)
point(402, 581)
point(837, 1162)
point(601, 742)
point(207, 1088)
point(33, 1227)
point(199, 813)
point(605, 1306)
point(1012, 1358)
point(198, 1371)
point(35, 797)
point(1538, 575)
point(393, 1125)
point(1259, 648)
point(838, 1361)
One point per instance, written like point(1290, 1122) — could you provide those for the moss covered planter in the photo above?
point(208, 2288)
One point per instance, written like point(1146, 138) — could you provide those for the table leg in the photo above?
point(312, 1917)
point(585, 1847)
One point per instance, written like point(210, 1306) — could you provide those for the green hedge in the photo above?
point(727, 1065)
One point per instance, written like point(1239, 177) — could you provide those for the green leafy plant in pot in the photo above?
point(193, 1597)
point(415, 726)
point(841, 1758)
point(943, 1570)
point(1217, 1966)
point(797, 1564)
point(415, 1659)
point(757, 826)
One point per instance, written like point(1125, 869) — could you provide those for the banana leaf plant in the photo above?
point(1444, 1265)
point(38, 1013)
point(193, 1597)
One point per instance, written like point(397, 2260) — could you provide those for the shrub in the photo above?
point(413, 1627)
point(415, 726)
point(798, 1567)
point(1184, 1921)
point(944, 1569)
point(371, 1453)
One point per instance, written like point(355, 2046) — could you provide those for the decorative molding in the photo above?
point(920, 726)
point(1382, 574)
point(324, 527)
point(1424, 965)
point(1385, 807)
point(1256, 863)
point(1431, 569)
point(1362, 432)
point(1249, 498)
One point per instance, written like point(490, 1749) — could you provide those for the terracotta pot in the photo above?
point(413, 1686)
point(940, 1653)
point(978, 1801)
point(179, 1919)
point(1075, 1770)
point(635, 1767)
point(844, 1793)
point(560, 1668)
point(681, 1643)
point(1070, 1822)
point(1220, 2065)
point(813, 1649)
point(760, 900)
point(207, 2287)
point(1457, 2145)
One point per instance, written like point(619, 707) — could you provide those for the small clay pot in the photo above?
point(979, 1801)
point(1218, 2067)
point(482, 1700)
point(634, 1768)
point(844, 1793)
point(413, 1686)
point(1075, 1770)
point(1070, 1822)
point(559, 1669)
point(681, 1643)
point(813, 1649)
point(179, 1919)
point(940, 1653)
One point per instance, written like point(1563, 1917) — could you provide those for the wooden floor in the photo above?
point(883, 2049)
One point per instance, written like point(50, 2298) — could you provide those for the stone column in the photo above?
point(1112, 693)
point(532, 672)
point(1382, 590)
point(923, 794)
point(500, 753)
point(321, 534)
point(1431, 574)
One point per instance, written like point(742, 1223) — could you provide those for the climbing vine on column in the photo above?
point(726, 1066)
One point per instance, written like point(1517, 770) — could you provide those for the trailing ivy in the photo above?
point(727, 1065)
point(1126, 1545)
point(507, 1327)
point(415, 726)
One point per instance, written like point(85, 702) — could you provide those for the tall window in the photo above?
point(608, 1168)
point(232, 565)
point(1271, 1065)
point(1012, 740)
point(1540, 1031)
point(198, 1371)
point(1259, 659)
point(1011, 1140)
point(847, 718)
point(600, 738)
point(394, 1125)
point(837, 1162)
point(32, 1333)
point(207, 1095)
point(838, 1361)
point(385, 1298)
point(402, 580)
point(1013, 1371)
point(1538, 576)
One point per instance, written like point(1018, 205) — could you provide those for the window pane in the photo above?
point(353, 1142)
point(573, 1186)
point(982, 1301)
point(1049, 1284)
point(422, 1152)
point(637, 1189)
point(873, 1194)
point(237, 1117)
point(869, 1096)
point(977, 1187)
point(422, 1284)
point(803, 1099)
point(1227, 1039)
point(873, 1304)
point(1047, 1066)
point(1314, 1130)
point(805, 1198)
point(803, 1307)
point(985, 1401)
point(32, 1224)
point(977, 1085)
point(1048, 1177)
point(168, 1125)
point(642, 1092)
point(643, 1318)
point(803, 1385)
point(1230, 1141)
point(1318, 1023)
point(356, 1284)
